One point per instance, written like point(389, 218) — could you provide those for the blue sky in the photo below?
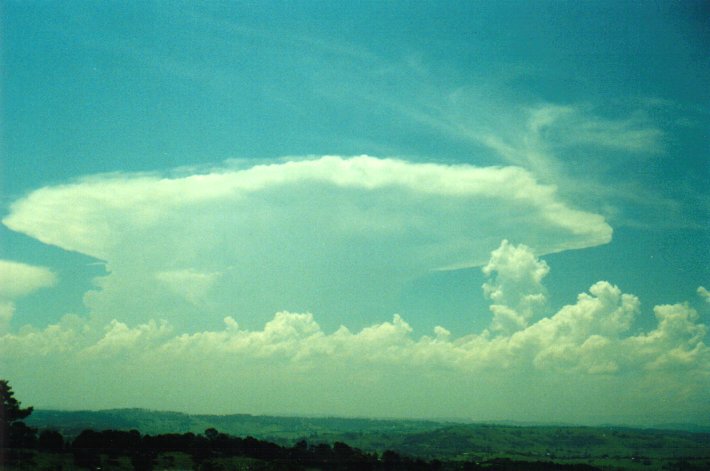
point(213, 176)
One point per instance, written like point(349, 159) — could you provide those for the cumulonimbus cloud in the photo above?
point(322, 235)
point(318, 234)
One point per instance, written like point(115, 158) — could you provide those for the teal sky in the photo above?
point(473, 210)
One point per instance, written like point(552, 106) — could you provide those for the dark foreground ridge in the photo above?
point(212, 450)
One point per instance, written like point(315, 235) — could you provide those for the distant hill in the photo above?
point(607, 446)
point(71, 423)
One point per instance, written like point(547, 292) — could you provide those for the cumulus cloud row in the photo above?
point(590, 338)
point(591, 334)
point(323, 233)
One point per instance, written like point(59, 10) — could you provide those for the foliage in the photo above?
point(10, 410)
point(115, 449)
point(13, 432)
point(50, 440)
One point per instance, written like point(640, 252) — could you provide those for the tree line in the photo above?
point(96, 449)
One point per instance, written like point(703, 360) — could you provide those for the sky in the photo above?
point(463, 210)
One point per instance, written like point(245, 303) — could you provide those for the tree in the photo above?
point(50, 440)
point(11, 414)
point(211, 434)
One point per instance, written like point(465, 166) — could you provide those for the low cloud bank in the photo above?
point(584, 356)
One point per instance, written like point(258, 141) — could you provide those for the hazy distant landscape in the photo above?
point(606, 447)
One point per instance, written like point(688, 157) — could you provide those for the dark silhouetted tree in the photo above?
point(50, 440)
point(211, 433)
point(86, 449)
point(392, 460)
point(13, 432)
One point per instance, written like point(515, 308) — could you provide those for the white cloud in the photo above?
point(18, 280)
point(704, 293)
point(67, 336)
point(373, 194)
point(583, 335)
point(588, 346)
point(119, 337)
point(516, 289)
point(334, 235)
point(191, 285)
point(678, 342)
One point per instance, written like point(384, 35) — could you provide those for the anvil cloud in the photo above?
point(323, 234)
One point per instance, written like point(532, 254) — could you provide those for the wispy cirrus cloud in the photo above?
point(605, 157)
